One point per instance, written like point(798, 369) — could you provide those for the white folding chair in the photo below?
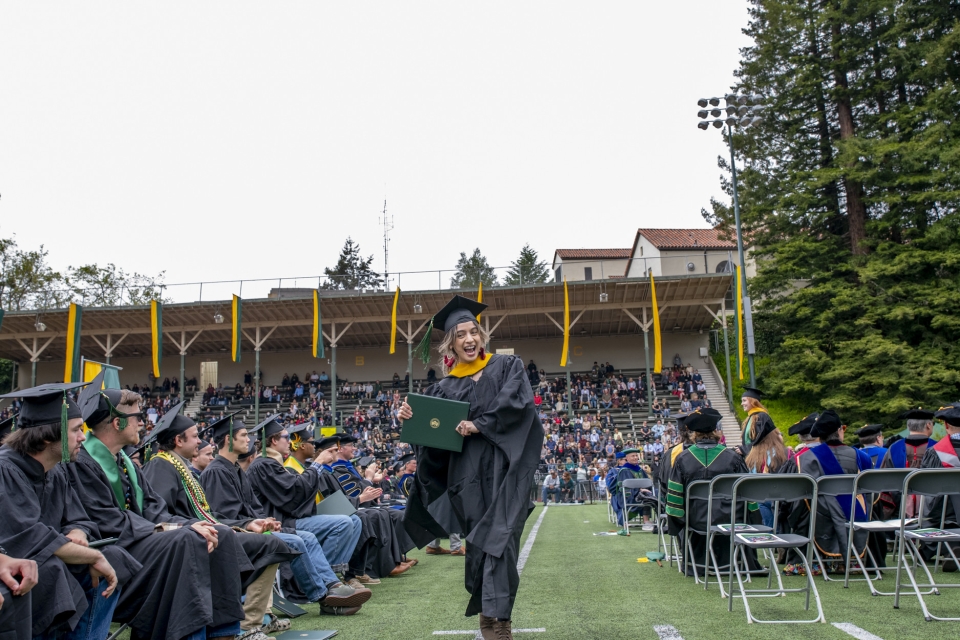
point(627, 487)
point(766, 488)
point(721, 488)
point(927, 483)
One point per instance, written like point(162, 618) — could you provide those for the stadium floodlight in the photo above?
point(218, 317)
point(756, 98)
point(746, 121)
point(743, 99)
point(730, 98)
point(756, 120)
point(703, 113)
point(702, 102)
point(715, 101)
point(704, 125)
point(718, 124)
point(40, 326)
point(604, 297)
point(417, 308)
point(743, 110)
point(715, 113)
point(731, 109)
point(731, 121)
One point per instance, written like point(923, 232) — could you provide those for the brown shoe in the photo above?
point(344, 596)
point(412, 562)
point(400, 568)
point(459, 552)
point(353, 583)
point(365, 579)
point(437, 551)
point(502, 630)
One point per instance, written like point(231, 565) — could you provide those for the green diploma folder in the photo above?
point(434, 422)
point(335, 504)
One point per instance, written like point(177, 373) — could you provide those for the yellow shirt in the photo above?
point(294, 465)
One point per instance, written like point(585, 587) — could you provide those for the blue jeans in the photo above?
point(338, 535)
point(555, 492)
point(766, 513)
point(94, 624)
point(311, 569)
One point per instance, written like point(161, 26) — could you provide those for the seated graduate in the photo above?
point(45, 527)
point(182, 558)
point(666, 466)
point(704, 460)
point(230, 494)
point(832, 457)
point(945, 455)
point(355, 485)
point(169, 474)
point(871, 440)
point(629, 471)
point(16, 619)
point(206, 452)
point(386, 557)
point(291, 499)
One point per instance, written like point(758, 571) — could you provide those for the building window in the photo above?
point(725, 267)
point(557, 274)
point(588, 273)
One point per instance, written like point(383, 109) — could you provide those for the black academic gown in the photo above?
point(285, 495)
point(38, 510)
point(488, 483)
point(15, 616)
point(261, 551)
point(705, 460)
point(173, 595)
point(933, 509)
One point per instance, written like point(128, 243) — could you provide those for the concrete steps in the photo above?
point(731, 426)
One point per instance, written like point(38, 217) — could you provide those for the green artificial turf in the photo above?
point(580, 586)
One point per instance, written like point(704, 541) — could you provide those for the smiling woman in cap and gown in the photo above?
point(173, 596)
point(44, 522)
point(489, 482)
point(758, 422)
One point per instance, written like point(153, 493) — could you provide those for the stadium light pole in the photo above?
point(741, 111)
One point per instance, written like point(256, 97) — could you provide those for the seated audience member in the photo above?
point(169, 474)
point(629, 470)
point(705, 459)
point(566, 487)
point(44, 532)
point(551, 486)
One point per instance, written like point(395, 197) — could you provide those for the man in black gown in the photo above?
point(43, 522)
point(489, 481)
point(230, 494)
point(173, 596)
point(945, 454)
point(168, 472)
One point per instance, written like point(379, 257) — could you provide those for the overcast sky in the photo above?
point(227, 140)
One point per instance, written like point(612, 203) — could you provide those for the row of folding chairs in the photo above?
point(911, 543)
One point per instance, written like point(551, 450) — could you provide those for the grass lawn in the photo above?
point(580, 586)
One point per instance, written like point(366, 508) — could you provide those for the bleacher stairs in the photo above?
point(731, 426)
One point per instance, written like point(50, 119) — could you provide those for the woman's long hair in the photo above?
point(446, 346)
point(768, 455)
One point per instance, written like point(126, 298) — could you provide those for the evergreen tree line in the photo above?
point(849, 193)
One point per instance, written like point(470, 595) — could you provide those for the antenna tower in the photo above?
point(387, 228)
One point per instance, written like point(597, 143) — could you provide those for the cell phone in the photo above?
point(96, 544)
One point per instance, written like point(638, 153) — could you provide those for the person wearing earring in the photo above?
point(501, 450)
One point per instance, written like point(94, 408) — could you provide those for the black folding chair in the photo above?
point(721, 487)
point(765, 488)
point(696, 490)
point(927, 483)
point(832, 487)
point(666, 543)
point(868, 483)
point(628, 486)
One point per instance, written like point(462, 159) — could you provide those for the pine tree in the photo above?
point(527, 269)
point(472, 271)
point(352, 271)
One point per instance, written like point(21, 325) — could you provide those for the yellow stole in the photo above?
point(466, 369)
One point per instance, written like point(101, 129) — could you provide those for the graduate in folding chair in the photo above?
point(944, 455)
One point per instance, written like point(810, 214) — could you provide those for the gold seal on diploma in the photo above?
point(434, 423)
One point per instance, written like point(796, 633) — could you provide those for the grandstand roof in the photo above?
point(358, 319)
point(669, 239)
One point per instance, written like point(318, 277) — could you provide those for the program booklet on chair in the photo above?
point(759, 538)
point(932, 533)
point(737, 527)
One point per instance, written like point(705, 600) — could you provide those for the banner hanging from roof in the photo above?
point(71, 370)
point(657, 351)
point(479, 297)
point(237, 334)
point(566, 324)
point(156, 335)
point(393, 322)
point(739, 294)
point(111, 373)
point(317, 347)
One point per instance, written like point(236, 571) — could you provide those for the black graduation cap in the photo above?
point(171, 423)
point(458, 310)
point(303, 429)
point(97, 404)
point(335, 441)
point(870, 430)
point(916, 414)
point(802, 427)
point(7, 427)
point(765, 430)
point(751, 392)
point(226, 425)
point(203, 445)
point(365, 461)
point(950, 415)
point(826, 423)
point(703, 420)
point(48, 404)
point(404, 459)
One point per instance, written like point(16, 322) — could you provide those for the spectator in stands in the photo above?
point(551, 486)
point(431, 375)
point(657, 408)
point(323, 378)
point(396, 380)
point(685, 406)
point(247, 377)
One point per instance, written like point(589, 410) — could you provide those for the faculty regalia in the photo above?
point(704, 460)
point(945, 454)
point(488, 483)
point(758, 421)
point(626, 472)
point(173, 595)
point(261, 551)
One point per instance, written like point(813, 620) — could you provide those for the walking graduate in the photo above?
point(488, 482)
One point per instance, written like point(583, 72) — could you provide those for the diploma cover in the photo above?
point(434, 422)
point(335, 504)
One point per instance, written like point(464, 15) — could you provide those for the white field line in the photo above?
point(667, 632)
point(855, 631)
point(476, 633)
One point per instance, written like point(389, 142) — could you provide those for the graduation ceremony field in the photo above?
point(576, 586)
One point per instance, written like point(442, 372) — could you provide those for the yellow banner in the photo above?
point(479, 297)
point(566, 324)
point(156, 336)
point(393, 322)
point(657, 352)
point(90, 370)
point(739, 294)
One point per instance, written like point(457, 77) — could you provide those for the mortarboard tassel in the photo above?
point(13, 425)
point(423, 349)
point(231, 435)
point(64, 444)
